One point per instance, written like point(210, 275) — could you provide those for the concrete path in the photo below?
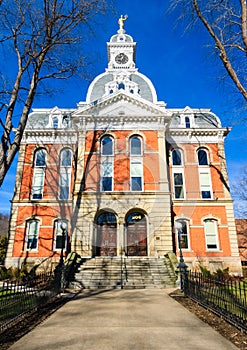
point(122, 320)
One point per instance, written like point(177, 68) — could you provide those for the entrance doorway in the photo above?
point(106, 235)
point(136, 225)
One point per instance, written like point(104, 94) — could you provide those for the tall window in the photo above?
point(184, 236)
point(55, 122)
point(135, 146)
point(202, 157)
point(39, 174)
point(65, 174)
point(187, 122)
point(211, 234)
point(60, 236)
point(178, 177)
point(204, 174)
point(32, 234)
point(136, 164)
point(176, 157)
point(106, 164)
point(178, 185)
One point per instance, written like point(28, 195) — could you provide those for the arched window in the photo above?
point(136, 164)
point(39, 173)
point(32, 234)
point(202, 157)
point(176, 157)
point(40, 158)
point(211, 234)
point(204, 174)
point(107, 146)
point(135, 146)
point(107, 218)
point(107, 162)
point(187, 122)
point(65, 173)
point(60, 235)
point(121, 86)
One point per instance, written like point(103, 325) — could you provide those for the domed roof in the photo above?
point(121, 72)
point(101, 86)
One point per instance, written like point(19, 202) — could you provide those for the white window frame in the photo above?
point(133, 161)
point(28, 226)
point(141, 148)
point(178, 170)
point(214, 234)
point(106, 168)
point(38, 170)
point(136, 159)
point(67, 170)
point(204, 170)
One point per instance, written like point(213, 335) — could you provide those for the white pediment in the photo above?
point(122, 104)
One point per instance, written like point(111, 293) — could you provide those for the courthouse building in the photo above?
point(124, 173)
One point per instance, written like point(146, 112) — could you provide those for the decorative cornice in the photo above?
point(221, 132)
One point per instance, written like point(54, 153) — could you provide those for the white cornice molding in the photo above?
point(195, 135)
point(55, 136)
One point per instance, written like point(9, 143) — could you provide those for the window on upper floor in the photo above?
point(55, 122)
point(211, 234)
point(39, 173)
point(178, 183)
point(65, 174)
point(187, 122)
point(106, 164)
point(121, 86)
point(176, 157)
point(107, 146)
point(178, 174)
point(135, 146)
point(202, 157)
point(204, 174)
point(32, 234)
point(205, 183)
point(136, 164)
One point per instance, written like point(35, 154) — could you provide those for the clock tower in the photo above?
point(121, 49)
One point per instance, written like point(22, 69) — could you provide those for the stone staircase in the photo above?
point(126, 272)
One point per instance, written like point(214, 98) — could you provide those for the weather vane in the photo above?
point(121, 21)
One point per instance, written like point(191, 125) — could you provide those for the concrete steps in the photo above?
point(126, 272)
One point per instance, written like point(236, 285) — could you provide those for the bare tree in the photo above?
point(41, 40)
point(239, 191)
point(226, 23)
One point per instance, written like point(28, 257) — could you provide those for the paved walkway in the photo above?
point(122, 320)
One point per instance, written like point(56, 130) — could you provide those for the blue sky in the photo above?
point(180, 65)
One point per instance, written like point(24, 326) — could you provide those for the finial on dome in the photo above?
point(121, 21)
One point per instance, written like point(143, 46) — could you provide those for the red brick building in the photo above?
point(124, 172)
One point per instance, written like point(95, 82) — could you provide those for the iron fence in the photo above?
point(225, 296)
point(23, 295)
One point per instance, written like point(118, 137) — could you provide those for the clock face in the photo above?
point(121, 58)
